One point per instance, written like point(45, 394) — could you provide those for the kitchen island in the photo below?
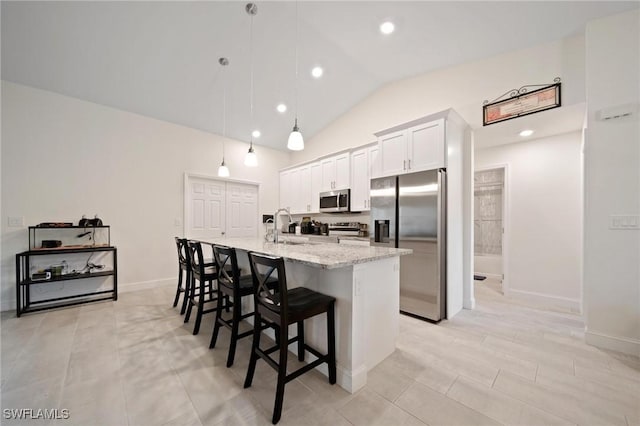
point(365, 282)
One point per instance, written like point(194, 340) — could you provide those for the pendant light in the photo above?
point(223, 170)
point(296, 142)
point(250, 159)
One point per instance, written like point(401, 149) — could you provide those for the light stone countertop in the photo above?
point(313, 253)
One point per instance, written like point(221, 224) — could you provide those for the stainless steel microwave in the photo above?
point(335, 201)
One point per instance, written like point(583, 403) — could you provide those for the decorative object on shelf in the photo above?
point(223, 170)
point(521, 102)
point(54, 224)
point(296, 141)
point(250, 159)
point(96, 221)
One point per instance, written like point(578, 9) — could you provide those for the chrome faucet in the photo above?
point(275, 222)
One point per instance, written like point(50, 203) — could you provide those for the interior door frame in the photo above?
point(506, 222)
point(185, 195)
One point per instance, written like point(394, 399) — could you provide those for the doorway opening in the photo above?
point(489, 227)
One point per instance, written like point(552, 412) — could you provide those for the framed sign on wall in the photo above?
point(522, 102)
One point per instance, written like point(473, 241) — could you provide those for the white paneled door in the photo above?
point(215, 208)
point(242, 210)
point(205, 215)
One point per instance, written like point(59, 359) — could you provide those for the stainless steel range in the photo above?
point(344, 229)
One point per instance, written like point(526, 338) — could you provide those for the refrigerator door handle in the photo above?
point(442, 240)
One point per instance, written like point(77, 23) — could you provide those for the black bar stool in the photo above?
point(282, 308)
point(184, 269)
point(232, 285)
point(204, 293)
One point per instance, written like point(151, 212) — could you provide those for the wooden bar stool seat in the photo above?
point(283, 307)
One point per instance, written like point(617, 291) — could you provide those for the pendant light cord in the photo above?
point(295, 98)
point(251, 65)
point(224, 114)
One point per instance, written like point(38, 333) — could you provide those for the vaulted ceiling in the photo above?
point(160, 59)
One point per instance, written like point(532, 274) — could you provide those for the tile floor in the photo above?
point(134, 362)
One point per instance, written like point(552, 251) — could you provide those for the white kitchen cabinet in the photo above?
point(335, 172)
point(393, 153)
point(364, 166)
point(285, 189)
point(303, 196)
point(297, 187)
point(316, 185)
point(425, 146)
point(374, 162)
point(416, 148)
point(359, 179)
point(295, 204)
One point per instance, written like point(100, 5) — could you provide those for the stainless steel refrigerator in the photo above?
point(409, 211)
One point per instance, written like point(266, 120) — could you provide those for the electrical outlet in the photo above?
point(177, 221)
point(16, 222)
point(624, 222)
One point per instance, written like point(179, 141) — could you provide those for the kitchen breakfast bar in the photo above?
point(365, 282)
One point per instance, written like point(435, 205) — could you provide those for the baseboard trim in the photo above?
point(145, 285)
point(564, 302)
point(9, 304)
point(614, 343)
point(469, 303)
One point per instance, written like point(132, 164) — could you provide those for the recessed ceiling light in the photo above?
point(255, 133)
point(281, 108)
point(317, 72)
point(526, 133)
point(387, 27)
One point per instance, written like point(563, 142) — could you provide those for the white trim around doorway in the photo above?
point(506, 222)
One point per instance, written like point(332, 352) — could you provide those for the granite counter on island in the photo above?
point(365, 282)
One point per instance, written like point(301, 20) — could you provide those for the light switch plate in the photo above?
point(626, 221)
point(16, 222)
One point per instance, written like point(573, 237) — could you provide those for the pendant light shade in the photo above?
point(250, 159)
point(223, 170)
point(296, 141)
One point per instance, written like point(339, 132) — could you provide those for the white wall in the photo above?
point(62, 157)
point(462, 88)
point(612, 184)
point(543, 184)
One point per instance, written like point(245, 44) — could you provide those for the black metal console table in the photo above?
point(25, 279)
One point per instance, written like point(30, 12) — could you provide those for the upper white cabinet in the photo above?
point(375, 168)
point(285, 189)
point(335, 172)
point(364, 166)
point(416, 148)
point(316, 187)
point(393, 153)
point(359, 179)
point(425, 146)
point(299, 189)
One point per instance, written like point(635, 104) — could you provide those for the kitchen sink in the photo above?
point(296, 241)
